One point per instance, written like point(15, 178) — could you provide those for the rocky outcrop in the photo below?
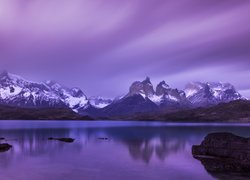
point(224, 152)
point(68, 140)
point(5, 147)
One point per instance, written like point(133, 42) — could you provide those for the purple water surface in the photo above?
point(133, 151)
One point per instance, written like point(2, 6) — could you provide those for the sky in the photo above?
point(104, 46)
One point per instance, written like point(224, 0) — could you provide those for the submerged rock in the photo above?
point(224, 152)
point(103, 138)
point(68, 140)
point(5, 147)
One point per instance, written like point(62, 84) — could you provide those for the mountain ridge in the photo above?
point(141, 98)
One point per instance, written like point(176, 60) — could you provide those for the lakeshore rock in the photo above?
point(224, 152)
point(103, 138)
point(68, 140)
point(5, 147)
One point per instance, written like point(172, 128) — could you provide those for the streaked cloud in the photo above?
point(93, 43)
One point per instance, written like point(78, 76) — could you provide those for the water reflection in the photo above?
point(160, 147)
point(34, 142)
point(142, 142)
point(164, 150)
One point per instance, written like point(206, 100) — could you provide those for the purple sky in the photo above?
point(103, 46)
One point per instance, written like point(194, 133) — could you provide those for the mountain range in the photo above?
point(141, 98)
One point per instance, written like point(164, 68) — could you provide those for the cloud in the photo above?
point(92, 43)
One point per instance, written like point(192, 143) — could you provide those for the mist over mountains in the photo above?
point(141, 98)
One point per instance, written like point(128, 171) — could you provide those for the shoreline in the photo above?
point(168, 123)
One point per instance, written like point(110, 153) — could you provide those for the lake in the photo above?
point(133, 150)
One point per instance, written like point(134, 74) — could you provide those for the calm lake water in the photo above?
point(133, 151)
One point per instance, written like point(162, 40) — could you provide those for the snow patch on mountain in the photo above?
point(190, 92)
point(173, 98)
point(8, 92)
point(99, 102)
point(156, 99)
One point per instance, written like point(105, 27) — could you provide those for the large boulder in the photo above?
point(4, 147)
point(224, 152)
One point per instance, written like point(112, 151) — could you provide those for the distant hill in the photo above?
point(235, 111)
point(17, 113)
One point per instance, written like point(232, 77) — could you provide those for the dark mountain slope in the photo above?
point(17, 113)
point(235, 111)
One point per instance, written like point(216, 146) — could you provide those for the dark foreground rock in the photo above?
point(224, 152)
point(103, 138)
point(68, 140)
point(4, 147)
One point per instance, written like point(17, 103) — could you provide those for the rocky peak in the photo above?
point(161, 88)
point(144, 88)
point(147, 81)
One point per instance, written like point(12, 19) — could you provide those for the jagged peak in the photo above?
point(144, 88)
point(13, 77)
point(163, 84)
point(6, 74)
point(147, 80)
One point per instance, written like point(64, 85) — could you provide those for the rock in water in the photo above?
point(68, 140)
point(4, 147)
point(224, 152)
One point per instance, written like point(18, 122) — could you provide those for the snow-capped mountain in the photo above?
point(99, 102)
point(141, 98)
point(16, 91)
point(205, 94)
point(74, 98)
point(163, 96)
